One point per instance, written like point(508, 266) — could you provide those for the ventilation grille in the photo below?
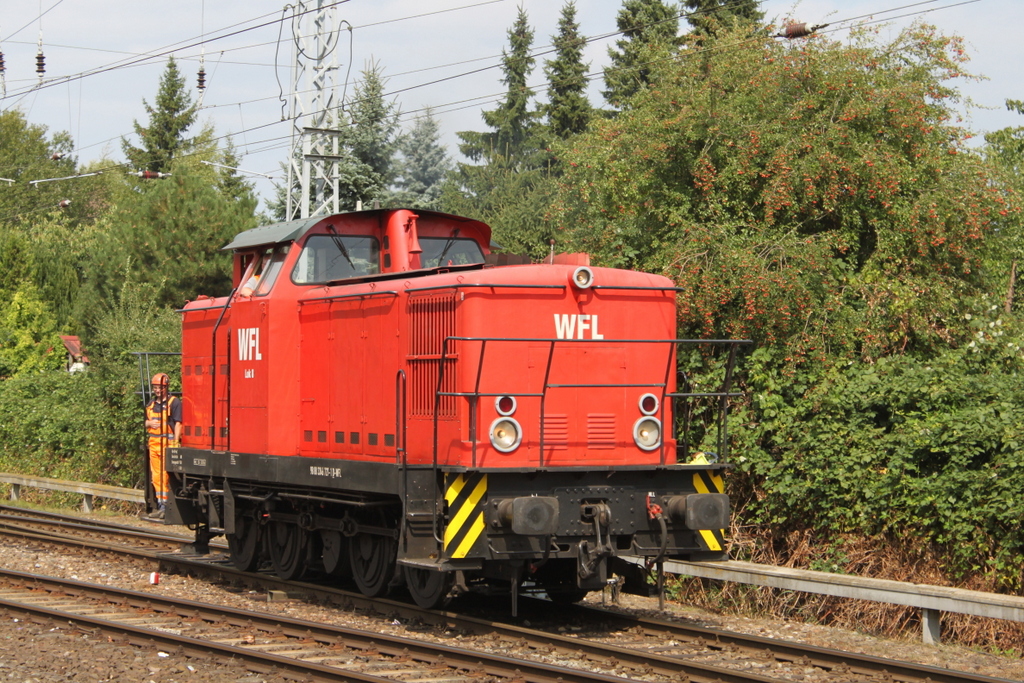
point(556, 431)
point(431, 320)
point(600, 430)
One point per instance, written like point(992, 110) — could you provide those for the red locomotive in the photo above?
point(381, 398)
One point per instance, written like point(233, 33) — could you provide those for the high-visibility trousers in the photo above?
point(157, 469)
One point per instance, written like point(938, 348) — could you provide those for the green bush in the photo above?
point(920, 451)
point(56, 424)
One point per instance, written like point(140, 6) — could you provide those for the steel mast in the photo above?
point(313, 162)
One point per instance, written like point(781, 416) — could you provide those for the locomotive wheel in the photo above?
point(286, 545)
point(427, 587)
point(373, 562)
point(336, 554)
point(244, 544)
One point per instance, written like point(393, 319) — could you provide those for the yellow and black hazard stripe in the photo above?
point(708, 481)
point(466, 495)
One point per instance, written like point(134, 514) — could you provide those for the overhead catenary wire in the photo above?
point(136, 58)
point(440, 108)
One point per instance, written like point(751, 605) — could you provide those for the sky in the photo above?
point(103, 58)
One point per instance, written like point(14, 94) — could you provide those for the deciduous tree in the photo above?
point(815, 193)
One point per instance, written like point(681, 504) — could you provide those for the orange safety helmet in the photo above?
point(161, 379)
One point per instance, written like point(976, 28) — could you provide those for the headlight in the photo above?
point(648, 404)
point(506, 434)
point(647, 433)
point(582, 277)
point(505, 405)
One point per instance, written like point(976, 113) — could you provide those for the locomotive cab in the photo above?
point(378, 400)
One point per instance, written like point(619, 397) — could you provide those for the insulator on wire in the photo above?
point(150, 175)
point(40, 59)
point(202, 78)
point(3, 68)
point(64, 203)
point(799, 29)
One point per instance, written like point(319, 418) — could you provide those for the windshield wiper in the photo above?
point(340, 243)
point(447, 246)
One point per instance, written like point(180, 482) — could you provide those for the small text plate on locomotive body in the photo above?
point(321, 471)
point(199, 462)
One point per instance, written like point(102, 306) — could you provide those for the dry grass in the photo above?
point(860, 557)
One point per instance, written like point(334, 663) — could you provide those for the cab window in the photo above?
point(326, 258)
point(260, 276)
point(271, 269)
point(439, 252)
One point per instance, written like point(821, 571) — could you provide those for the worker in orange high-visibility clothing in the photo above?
point(163, 425)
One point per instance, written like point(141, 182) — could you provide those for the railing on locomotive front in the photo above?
point(723, 395)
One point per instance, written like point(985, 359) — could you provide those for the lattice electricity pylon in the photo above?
point(313, 163)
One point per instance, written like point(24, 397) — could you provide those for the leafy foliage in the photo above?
point(896, 448)
point(789, 186)
point(171, 234)
point(81, 426)
point(510, 190)
point(29, 341)
point(27, 154)
point(372, 136)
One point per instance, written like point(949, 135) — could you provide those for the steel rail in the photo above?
point(166, 539)
point(461, 663)
point(829, 660)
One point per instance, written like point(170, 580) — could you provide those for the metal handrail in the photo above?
point(474, 396)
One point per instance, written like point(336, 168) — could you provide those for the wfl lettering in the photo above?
point(572, 326)
point(249, 344)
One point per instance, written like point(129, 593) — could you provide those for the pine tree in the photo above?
point(510, 189)
point(164, 139)
point(423, 166)
point(650, 31)
point(568, 110)
point(513, 123)
point(707, 16)
point(230, 183)
point(371, 136)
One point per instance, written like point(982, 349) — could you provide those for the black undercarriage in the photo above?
point(382, 525)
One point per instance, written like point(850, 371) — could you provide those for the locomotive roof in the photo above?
point(289, 231)
point(275, 233)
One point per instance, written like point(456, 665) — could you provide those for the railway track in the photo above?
point(631, 646)
point(303, 648)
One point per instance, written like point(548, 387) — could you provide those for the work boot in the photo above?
point(159, 514)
